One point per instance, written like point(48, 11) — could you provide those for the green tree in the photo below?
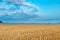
point(1, 22)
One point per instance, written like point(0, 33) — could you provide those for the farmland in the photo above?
point(29, 31)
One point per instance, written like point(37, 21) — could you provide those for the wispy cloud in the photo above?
point(18, 12)
point(23, 8)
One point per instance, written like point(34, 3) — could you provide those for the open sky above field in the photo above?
point(30, 11)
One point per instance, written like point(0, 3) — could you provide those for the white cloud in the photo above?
point(27, 8)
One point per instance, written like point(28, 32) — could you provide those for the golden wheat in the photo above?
point(29, 31)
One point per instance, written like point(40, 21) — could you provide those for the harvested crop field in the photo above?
point(29, 31)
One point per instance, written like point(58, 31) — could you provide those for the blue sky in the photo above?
point(48, 12)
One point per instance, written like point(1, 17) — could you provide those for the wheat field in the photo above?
point(29, 31)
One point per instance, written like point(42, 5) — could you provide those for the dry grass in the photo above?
point(29, 31)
